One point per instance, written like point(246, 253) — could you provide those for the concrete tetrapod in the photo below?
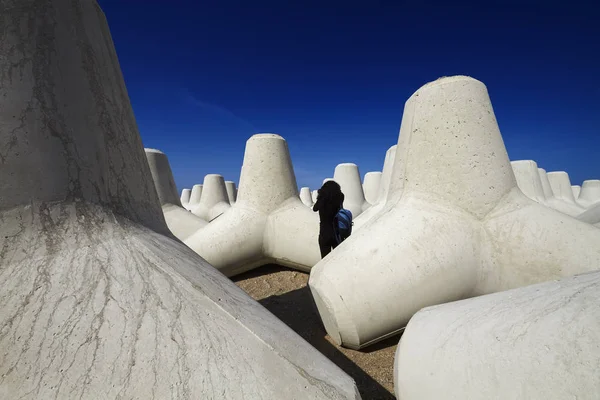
point(564, 207)
point(348, 177)
point(590, 193)
point(460, 228)
point(576, 190)
point(195, 196)
point(231, 191)
point(538, 342)
point(314, 195)
point(99, 300)
point(384, 189)
point(185, 198)
point(268, 223)
point(181, 222)
point(528, 179)
point(561, 187)
point(591, 215)
point(371, 186)
point(306, 197)
point(214, 200)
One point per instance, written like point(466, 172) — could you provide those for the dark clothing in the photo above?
point(327, 209)
point(326, 244)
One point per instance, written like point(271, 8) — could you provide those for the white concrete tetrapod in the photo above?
point(576, 190)
point(214, 200)
point(384, 189)
point(538, 342)
point(195, 196)
point(347, 176)
point(561, 187)
point(231, 191)
point(548, 193)
point(528, 179)
point(591, 215)
point(185, 198)
point(590, 193)
point(99, 300)
point(314, 195)
point(386, 174)
point(327, 179)
point(460, 227)
point(181, 222)
point(371, 186)
point(306, 197)
point(268, 223)
point(564, 207)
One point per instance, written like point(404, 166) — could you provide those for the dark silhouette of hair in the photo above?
point(329, 192)
point(330, 196)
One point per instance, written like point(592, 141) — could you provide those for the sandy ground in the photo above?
point(285, 293)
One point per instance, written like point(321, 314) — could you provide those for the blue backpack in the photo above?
point(342, 225)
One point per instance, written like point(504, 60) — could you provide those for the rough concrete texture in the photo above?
point(564, 207)
point(371, 186)
point(539, 342)
point(231, 191)
point(561, 187)
point(590, 193)
point(576, 190)
point(591, 215)
point(384, 189)
point(99, 300)
point(185, 197)
point(214, 200)
point(386, 175)
point(347, 176)
point(181, 222)
point(460, 227)
point(268, 223)
point(306, 197)
point(195, 196)
point(528, 179)
point(548, 193)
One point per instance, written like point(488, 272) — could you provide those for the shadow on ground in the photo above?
point(271, 286)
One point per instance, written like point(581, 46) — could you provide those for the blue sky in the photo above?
point(332, 77)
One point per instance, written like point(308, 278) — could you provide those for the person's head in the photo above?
point(331, 192)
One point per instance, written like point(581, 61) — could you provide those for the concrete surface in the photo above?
point(590, 193)
point(459, 228)
point(195, 196)
point(306, 196)
point(268, 223)
point(181, 222)
point(214, 200)
point(371, 184)
point(552, 201)
point(347, 176)
point(561, 187)
point(384, 189)
point(576, 190)
point(99, 300)
point(538, 342)
point(231, 191)
point(528, 179)
point(185, 197)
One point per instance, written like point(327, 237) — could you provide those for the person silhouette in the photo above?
point(330, 200)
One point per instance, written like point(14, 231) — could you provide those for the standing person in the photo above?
point(330, 200)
